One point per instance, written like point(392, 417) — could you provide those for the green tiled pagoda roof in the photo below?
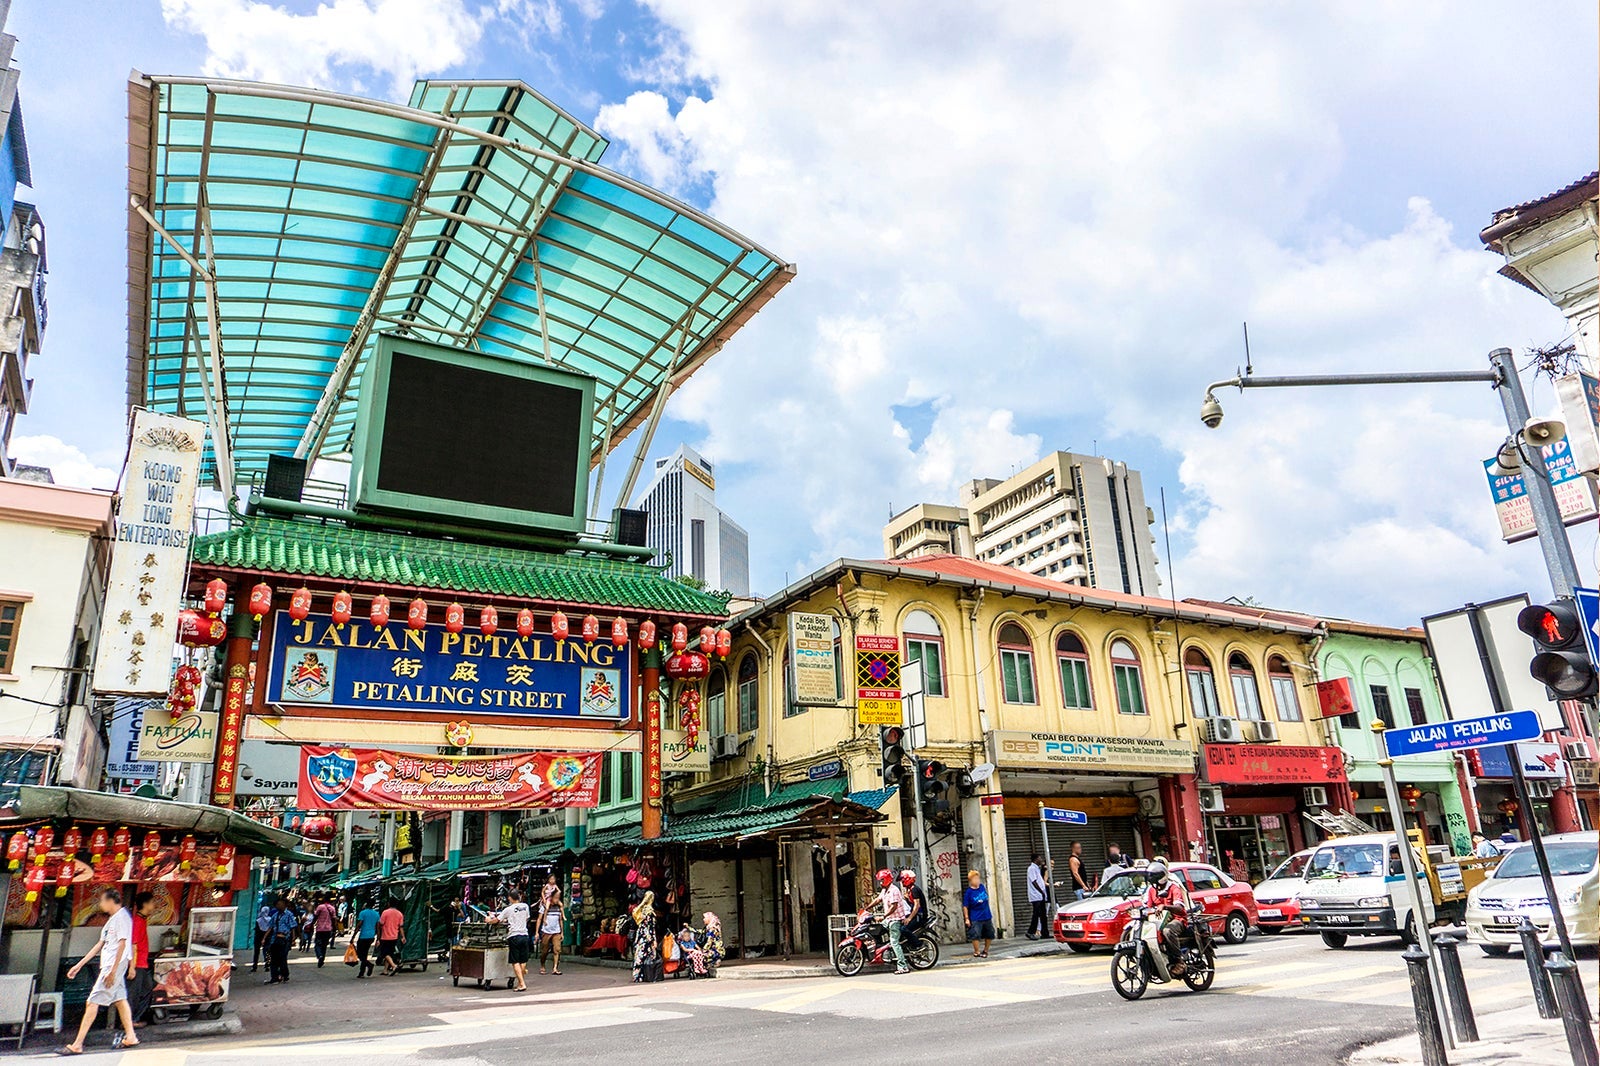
point(338, 553)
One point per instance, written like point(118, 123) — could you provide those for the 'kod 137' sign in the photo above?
point(320, 663)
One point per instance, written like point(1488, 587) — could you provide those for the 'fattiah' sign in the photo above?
point(346, 779)
point(318, 662)
point(149, 556)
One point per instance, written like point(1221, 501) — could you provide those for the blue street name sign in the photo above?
point(1465, 733)
point(1589, 609)
point(1056, 814)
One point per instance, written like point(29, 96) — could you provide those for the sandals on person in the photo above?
point(67, 1049)
point(555, 973)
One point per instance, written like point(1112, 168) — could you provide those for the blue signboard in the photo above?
point(122, 751)
point(1589, 610)
point(822, 771)
point(1463, 733)
point(320, 663)
point(1056, 814)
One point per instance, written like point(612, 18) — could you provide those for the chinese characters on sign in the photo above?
point(149, 556)
point(878, 681)
point(814, 665)
point(1574, 495)
point(652, 741)
point(226, 774)
point(1334, 698)
point(1271, 764)
point(344, 779)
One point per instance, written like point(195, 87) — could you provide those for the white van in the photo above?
point(1356, 886)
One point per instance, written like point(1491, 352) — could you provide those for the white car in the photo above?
point(1277, 909)
point(1497, 906)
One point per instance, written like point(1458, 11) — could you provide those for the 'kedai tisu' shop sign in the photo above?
point(318, 662)
point(342, 779)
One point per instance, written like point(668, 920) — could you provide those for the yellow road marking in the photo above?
point(790, 1004)
point(1325, 978)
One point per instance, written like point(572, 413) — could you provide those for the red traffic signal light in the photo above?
point(891, 741)
point(1552, 625)
point(1561, 661)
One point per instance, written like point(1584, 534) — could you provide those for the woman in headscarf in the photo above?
point(711, 949)
point(646, 949)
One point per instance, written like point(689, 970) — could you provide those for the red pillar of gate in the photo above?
point(650, 683)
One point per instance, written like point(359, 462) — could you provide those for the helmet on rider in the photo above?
point(1156, 871)
point(908, 877)
point(885, 878)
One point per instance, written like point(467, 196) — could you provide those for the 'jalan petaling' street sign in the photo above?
point(1588, 601)
point(1056, 814)
point(1463, 733)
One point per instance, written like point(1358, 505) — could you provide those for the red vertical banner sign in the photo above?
point(650, 679)
point(230, 729)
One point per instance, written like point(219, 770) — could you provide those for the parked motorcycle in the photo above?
point(1139, 957)
point(867, 943)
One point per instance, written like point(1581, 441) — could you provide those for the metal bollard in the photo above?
point(1448, 952)
point(1422, 1001)
point(1533, 955)
point(1574, 1011)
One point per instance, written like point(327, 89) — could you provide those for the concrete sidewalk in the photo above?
point(1514, 1036)
point(778, 968)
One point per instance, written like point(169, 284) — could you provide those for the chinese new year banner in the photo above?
point(343, 779)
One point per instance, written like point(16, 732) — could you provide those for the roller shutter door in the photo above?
point(1023, 838)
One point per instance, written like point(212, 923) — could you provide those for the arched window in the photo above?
point(1125, 673)
point(1246, 694)
point(1016, 665)
point(1202, 684)
point(717, 703)
point(925, 645)
point(1285, 693)
point(749, 690)
point(1072, 661)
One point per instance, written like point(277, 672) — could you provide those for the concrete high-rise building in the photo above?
point(687, 527)
point(1078, 519)
point(22, 261)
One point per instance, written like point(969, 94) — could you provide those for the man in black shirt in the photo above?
point(919, 903)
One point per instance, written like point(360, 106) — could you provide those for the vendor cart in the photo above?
point(479, 955)
point(198, 981)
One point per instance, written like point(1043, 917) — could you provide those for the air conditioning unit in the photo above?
point(1264, 732)
point(725, 746)
point(1210, 799)
point(1541, 790)
point(1315, 796)
point(1221, 731)
point(1574, 751)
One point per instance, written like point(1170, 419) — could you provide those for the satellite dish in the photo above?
point(982, 772)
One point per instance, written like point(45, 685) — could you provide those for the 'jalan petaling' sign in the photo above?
point(1085, 751)
point(321, 663)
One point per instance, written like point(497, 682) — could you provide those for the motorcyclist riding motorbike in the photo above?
point(917, 901)
point(1165, 892)
point(895, 911)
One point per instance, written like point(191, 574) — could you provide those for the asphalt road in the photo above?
point(1276, 1000)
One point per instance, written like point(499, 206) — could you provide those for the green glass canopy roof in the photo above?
point(275, 231)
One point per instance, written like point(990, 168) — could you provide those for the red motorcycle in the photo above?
point(868, 943)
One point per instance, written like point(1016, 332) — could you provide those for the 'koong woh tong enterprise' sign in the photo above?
point(318, 662)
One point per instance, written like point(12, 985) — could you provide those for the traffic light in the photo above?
point(931, 780)
point(891, 739)
point(1562, 660)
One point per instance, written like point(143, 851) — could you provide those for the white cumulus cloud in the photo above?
point(68, 464)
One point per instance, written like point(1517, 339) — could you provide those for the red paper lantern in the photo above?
point(43, 841)
point(17, 850)
point(380, 611)
point(72, 840)
point(300, 604)
point(343, 606)
point(688, 666)
point(680, 636)
point(97, 845)
point(525, 623)
point(186, 852)
point(619, 631)
point(417, 613)
point(724, 642)
point(319, 827)
point(1411, 794)
point(66, 870)
point(591, 628)
point(647, 634)
point(34, 882)
point(488, 621)
point(224, 859)
point(455, 618)
point(197, 630)
point(689, 712)
point(121, 841)
point(559, 627)
point(260, 599)
point(708, 640)
point(152, 847)
point(216, 595)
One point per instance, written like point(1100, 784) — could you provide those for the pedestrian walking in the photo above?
point(307, 925)
point(518, 945)
point(1038, 897)
point(263, 933)
point(391, 934)
point(552, 926)
point(111, 988)
point(646, 951)
point(323, 917)
point(1079, 873)
point(978, 915)
point(363, 932)
point(141, 985)
point(711, 945)
point(280, 938)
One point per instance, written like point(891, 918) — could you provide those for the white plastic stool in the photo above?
point(51, 1000)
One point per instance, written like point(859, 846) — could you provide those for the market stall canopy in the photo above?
point(275, 231)
point(803, 809)
point(36, 802)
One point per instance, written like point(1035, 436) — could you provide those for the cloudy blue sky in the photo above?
point(1019, 227)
